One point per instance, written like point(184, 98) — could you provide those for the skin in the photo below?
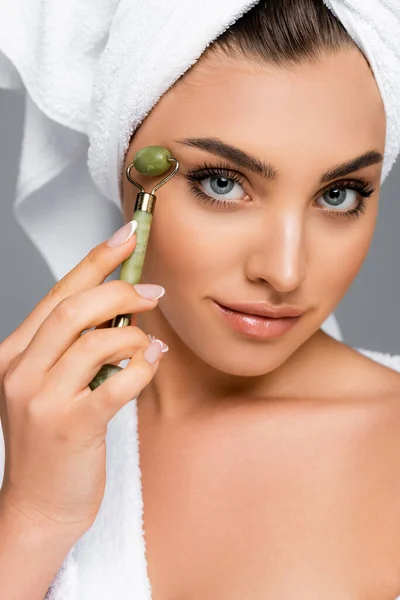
point(223, 406)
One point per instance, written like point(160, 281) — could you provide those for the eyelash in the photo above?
point(195, 176)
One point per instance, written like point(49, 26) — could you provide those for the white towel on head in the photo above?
point(91, 71)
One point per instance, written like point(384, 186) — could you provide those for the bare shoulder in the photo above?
point(370, 380)
point(380, 433)
point(380, 370)
point(364, 373)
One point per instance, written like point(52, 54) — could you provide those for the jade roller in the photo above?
point(152, 161)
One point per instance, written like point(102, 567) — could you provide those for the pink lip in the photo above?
point(256, 326)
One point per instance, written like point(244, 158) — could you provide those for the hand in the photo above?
point(54, 425)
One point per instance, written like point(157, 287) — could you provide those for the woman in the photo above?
point(269, 451)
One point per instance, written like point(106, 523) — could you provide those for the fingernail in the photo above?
point(149, 290)
point(164, 346)
point(153, 352)
point(122, 235)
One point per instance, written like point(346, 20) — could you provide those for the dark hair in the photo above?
point(284, 31)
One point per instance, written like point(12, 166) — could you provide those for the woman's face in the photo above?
point(282, 236)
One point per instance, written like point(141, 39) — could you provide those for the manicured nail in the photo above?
point(153, 352)
point(122, 235)
point(164, 346)
point(149, 291)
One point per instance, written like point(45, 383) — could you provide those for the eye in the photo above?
point(343, 198)
point(219, 186)
point(346, 198)
point(225, 187)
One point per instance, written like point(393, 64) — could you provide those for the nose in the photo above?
point(278, 253)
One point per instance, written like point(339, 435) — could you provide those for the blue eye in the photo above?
point(348, 196)
point(225, 186)
point(343, 198)
point(217, 181)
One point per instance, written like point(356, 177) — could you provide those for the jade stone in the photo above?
point(131, 269)
point(152, 160)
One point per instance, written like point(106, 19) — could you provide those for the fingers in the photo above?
point(107, 325)
point(97, 408)
point(82, 361)
point(74, 314)
point(97, 265)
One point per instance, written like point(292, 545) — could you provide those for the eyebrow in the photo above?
point(265, 169)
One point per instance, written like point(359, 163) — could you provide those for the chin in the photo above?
point(247, 362)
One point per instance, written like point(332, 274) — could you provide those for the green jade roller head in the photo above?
point(151, 161)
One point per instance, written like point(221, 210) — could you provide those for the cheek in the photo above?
point(182, 253)
point(337, 261)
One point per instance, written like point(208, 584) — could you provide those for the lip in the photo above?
point(256, 325)
point(263, 309)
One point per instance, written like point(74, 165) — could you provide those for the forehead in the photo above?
point(330, 108)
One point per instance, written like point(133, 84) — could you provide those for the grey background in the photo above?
point(368, 315)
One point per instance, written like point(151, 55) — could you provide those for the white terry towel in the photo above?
point(90, 77)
